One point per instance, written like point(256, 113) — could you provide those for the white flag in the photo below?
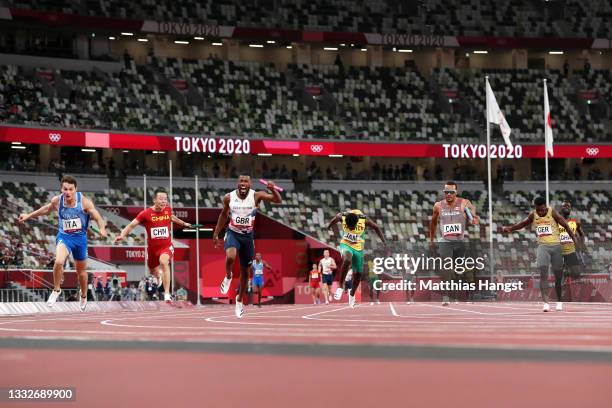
point(548, 136)
point(495, 115)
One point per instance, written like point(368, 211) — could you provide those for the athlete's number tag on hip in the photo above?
point(565, 238)
point(451, 230)
point(338, 293)
point(159, 233)
point(72, 225)
point(544, 230)
point(349, 236)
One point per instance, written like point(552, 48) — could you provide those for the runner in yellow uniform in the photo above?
point(545, 221)
point(354, 224)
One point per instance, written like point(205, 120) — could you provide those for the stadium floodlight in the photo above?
point(403, 50)
point(256, 45)
point(271, 42)
point(555, 52)
point(198, 38)
point(330, 48)
point(89, 150)
point(127, 34)
point(143, 40)
point(18, 147)
point(336, 155)
point(217, 44)
point(181, 42)
point(343, 45)
point(481, 52)
point(296, 155)
point(111, 38)
point(16, 143)
point(264, 154)
point(289, 47)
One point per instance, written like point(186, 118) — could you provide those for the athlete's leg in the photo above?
point(81, 270)
point(61, 254)
point(244, 281)
point(259, 290)
point(347, 262)
point(544, 283)
point(164, 263)
point(326, 289)
point(355, 282)
point(558, 283)
point(230, 258)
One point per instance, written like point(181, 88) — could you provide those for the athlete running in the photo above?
point(571, 258)
point(354, 224)
point(240, 206)
point(74, 211)
point(157, 220)
point(258, 275)
point(546, 221)
point(452, 215)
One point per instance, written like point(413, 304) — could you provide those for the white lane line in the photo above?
point(393, 312)
point(309, 316)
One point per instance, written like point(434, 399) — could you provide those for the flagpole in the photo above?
point(490, 188)
point(546, 148)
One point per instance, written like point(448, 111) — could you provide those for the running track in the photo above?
point(423, 354)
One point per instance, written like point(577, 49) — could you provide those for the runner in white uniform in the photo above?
point(327, 265)
point(240, 206)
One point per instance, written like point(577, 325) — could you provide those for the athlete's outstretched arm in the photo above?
point(89, 208)
point(180, 222)
point(375, 227)
point(526, 222)
point(433, 225)
point(580, 232)
point(44, 210)
point(332, 225)
point(275, 197)
point(126, 231)
point(562, 222)
point(222, 219)
point(267, 265)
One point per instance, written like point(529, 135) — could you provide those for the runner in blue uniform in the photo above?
point(74, 211)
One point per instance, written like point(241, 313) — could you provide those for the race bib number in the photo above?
point(243, 221)
point(159, 233)
point(349, 236)
point(451, 229)
point(315, 276)
point(565, 238)
point(544, 230)
point(72, 225)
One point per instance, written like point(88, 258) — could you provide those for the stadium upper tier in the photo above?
point(217, 97)
point(501, 18)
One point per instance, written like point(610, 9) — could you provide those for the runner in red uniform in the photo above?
point(314, 280)
point(157, 220)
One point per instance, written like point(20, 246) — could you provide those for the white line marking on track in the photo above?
point(393, 312)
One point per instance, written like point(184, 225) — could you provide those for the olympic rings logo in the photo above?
point(592, 151)
point(55, 137)
point(113, 210)
point(316, 148)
